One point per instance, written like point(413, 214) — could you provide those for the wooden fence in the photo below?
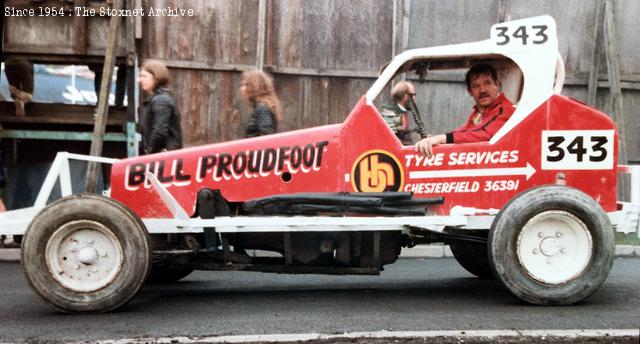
point(325, 54)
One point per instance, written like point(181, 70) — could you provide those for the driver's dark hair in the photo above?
point(480, 69)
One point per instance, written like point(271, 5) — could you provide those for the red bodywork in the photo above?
point(362, 154)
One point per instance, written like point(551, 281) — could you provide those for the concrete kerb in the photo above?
point(418, 252)
point(471, 336)
point(9, 254)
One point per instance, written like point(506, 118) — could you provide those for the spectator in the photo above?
point(161, 119)
point(257, 89)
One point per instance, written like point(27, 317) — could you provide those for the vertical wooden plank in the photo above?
point(397, 33)
point(262, 28)
point(289, 89)
point(268, 54)
point(289, 43)
point(138, 20)
point(596, 49)
point(406, 19)
point(503, 13)
point(613, 70)
point(80, 30)
point(396, 27)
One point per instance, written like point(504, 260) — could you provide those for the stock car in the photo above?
point(534, 207)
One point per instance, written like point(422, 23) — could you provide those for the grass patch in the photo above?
point(627, 239)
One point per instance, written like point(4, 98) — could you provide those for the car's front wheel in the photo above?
point(552, 245)
point(86, 253)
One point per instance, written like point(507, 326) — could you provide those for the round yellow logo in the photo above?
point(377, 171)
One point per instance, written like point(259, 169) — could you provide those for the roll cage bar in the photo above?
point(541, 64)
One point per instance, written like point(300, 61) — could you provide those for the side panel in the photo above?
point(562, 141)
point(577, 144)
point(298, 161)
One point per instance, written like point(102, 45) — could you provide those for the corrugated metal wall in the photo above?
point(325, 54)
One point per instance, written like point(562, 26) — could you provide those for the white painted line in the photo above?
point(476, 172)
point(610, 334)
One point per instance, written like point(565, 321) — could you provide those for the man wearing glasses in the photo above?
point(395, 114)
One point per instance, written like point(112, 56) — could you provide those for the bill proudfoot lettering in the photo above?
point(227, 166)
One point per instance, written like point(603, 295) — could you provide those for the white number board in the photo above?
point(577, 149)
point(528, 32)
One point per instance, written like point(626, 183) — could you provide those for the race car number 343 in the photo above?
point(577, 149)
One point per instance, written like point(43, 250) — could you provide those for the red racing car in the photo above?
point(533, 207)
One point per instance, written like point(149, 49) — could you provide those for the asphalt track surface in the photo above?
point(411, 295)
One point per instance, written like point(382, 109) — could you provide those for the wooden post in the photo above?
point(132, 100)
point(613, 69)
point(596, 50)
point(262, 29)
point(406, 9)
point(503, 13)
point(138, 20)
point(268, 51)
point(396, 27)
point(103, 103)
point(80, 29)
point(399, 31)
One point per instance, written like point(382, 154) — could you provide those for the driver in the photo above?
point(491, 111)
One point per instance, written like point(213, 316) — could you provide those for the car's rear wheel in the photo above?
point(552, 245)
point(473, 257)
point(162, 274)
point(86, 253)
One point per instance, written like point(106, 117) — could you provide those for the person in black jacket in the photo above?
point(257, 89)
point(161, 119)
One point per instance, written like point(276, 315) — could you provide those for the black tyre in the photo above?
point(552, 245)
point(86, 253)
point(473, 257)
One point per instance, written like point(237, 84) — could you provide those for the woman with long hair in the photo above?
point(257, 89)
point(161, 120)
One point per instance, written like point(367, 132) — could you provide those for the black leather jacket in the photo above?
point(262, 122)
point(161, 123)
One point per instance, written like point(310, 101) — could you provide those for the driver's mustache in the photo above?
point(483, 94)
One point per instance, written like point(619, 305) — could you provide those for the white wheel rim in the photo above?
point(554, 247)
point(84, 256)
